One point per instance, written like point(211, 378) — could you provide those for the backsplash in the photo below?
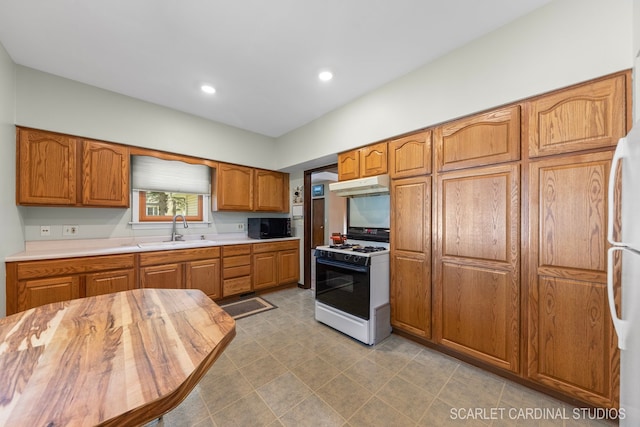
point(100, 223)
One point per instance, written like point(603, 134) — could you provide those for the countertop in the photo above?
point(53, 249)
point(111, 360)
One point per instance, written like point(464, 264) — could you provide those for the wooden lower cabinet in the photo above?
point(39, 292)
point(265, 270)
point(109, 282)
point(197, 268)
point(204, 275)
point(411, 293)
point(477, 291)
point(571, 342)
point(34, 283)
point(165, 276)
point(410, 259)
point(236, 270)
point(289, 265)
point(275, 263)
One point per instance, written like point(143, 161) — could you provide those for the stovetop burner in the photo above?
point(359, 248)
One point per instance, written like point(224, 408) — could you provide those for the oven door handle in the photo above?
point(344, 265)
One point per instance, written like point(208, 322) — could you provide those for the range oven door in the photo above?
point(343, 286)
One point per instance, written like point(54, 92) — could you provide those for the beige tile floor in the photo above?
point(285, 369)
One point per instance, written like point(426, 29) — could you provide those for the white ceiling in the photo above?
point(262, 56)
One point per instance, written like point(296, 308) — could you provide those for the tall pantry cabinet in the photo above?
point(571, 136)
point(410, 263)
point(477, 259)
point(498, 243)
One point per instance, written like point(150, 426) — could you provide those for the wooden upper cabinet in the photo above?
point(410, 156)
point(233, 189)
point(60, 170)
point(46, 164)
point(271, 190)
point(242, 188)
point(105, 174)
point(373, 160)
point(366, 161)
point(349, 165)
point(483, 139)
point(584, 117)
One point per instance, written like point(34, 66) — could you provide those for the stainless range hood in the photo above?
point(370, 185)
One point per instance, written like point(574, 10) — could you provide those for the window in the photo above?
point(163, 206)
point(165, 188)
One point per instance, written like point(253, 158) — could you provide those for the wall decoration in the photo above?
point(317, 190)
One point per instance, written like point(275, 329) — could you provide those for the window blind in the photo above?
point(153, 174)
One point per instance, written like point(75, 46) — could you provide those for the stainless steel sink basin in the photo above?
point(176, 244)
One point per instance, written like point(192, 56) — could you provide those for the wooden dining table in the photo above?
point(111, 360)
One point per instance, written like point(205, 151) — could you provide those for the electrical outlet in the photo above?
point(240, 226)
point(69, 230)
point(45, 230)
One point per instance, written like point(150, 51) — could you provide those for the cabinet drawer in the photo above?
point(236, 261)
point(241, 270)
point(274, 246)
point(178, 255)
point(236, 286)
point(233, 250)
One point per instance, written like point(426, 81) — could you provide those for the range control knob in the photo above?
point(357, 258)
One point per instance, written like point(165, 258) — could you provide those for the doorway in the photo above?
point(322, 213)
point(317, 222)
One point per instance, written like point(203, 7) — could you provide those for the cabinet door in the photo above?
point(483, 139)
point(579, 118)
point(105, 174)
point(35, 293)
point(373, 160)
point(46, 168)
point(477, 286)
point(410, 288)
point(265, 270)
point(571, 342)
point(410, 156)
point(288, 266)
point(348, 165)
point(271, 191)
point(233, 188)
point(109, 282)
point(168, 276)
point(204, 275)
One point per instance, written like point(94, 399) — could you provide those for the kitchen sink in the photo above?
point(176, 244)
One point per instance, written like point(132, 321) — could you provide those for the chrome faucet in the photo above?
point(174, 235)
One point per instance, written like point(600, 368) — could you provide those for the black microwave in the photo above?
point(269, 228)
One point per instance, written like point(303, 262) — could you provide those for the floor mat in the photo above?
point(247, 307)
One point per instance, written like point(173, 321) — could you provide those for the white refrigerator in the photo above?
point(627, 241)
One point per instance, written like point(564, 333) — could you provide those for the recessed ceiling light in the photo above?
point(208, 89)
point(325, 76)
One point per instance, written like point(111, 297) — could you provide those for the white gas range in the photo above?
point(352, 289)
